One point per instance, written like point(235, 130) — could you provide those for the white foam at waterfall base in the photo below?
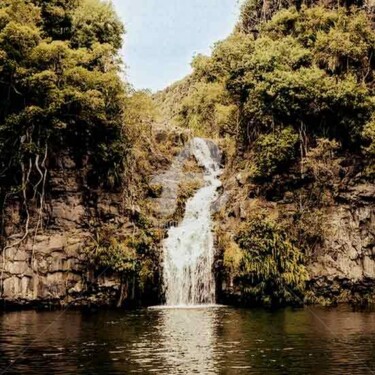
point(189, 247)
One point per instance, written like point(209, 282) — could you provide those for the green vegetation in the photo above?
point(133, 255)
point(305, 72)
point(293, 86)
point(274, 152)
point(106, 250)
point(369, 146)
point(60, 90)
point(266, 264)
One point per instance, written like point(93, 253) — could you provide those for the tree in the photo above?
point(95, 21)
point(310, 68)
point(60, 92)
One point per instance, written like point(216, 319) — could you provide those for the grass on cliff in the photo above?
point(265, 265)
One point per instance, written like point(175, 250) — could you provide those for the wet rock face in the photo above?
point(216, 154)
point(169, 181)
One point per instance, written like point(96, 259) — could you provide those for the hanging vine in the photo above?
point(60, 92)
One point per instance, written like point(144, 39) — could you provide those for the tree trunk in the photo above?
point(123, 292)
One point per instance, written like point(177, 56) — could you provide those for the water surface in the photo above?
point(191, 341)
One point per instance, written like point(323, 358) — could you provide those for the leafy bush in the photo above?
point(105, 250)
point(129, 255)
point(58, 95)
point(274, 152)
point(271, 270)
point(205, 110)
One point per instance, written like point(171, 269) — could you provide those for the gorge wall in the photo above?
point(51, 268)
point(340, 265)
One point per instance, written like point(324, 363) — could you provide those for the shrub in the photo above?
point(104, 250)
point(273, 152)
point(322, 162)
point(271, 270)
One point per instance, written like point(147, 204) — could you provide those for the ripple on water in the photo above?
point(188, 341)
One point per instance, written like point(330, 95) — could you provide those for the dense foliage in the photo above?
point(274, 152)
point(309, 69)
point(132, 256)
point(60, 91)
point(270, 268)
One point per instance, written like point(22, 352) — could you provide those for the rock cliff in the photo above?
point(49, 268)
point(341, 266)
point(52, 267)
point(343, 269)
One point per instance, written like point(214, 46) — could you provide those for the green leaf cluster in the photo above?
point(60, 88)
point(271, 270)
point(274, 152)
point(369, 146)
point(129, 255)
point(309, 68)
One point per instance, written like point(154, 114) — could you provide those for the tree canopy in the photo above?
point(60, 88)
point(310, 69)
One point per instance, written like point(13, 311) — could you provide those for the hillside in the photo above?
point(75, 146)
point(289, 97)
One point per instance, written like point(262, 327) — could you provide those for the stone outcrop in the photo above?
point(344, 267)
point(50, 268)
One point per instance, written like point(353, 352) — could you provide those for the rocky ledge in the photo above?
point(50, 269)
point(343, 269)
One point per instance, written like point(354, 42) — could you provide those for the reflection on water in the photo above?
point(191, 341)
point(188, 340)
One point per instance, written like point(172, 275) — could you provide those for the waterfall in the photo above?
point(189, 247)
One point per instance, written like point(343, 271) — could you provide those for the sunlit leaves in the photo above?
point(274, 152)
point(95, 21)
point(17, 40)
point(75, 85)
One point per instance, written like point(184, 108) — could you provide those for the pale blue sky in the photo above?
point(163, 36)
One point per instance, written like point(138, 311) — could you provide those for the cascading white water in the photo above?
point(189, 247)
